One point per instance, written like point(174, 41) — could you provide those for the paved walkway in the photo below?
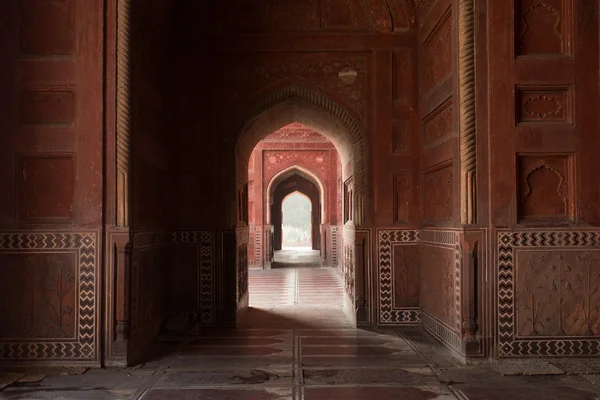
point(296, 257)
point(307, 352)
point(276, 288)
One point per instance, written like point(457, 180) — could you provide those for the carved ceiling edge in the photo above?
point(123, 100)
point(468, 139)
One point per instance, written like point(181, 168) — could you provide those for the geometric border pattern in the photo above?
point(440, 331)
point(451, 336)
point(256, 230)
point(388, 315)
point(84, 347)
point(508, 344)
point(334, 246)
point(204, 239)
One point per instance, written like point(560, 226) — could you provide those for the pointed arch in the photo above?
point(288, 172)
point(295, 103)
point(283, 188)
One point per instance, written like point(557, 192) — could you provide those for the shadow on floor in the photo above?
point(294, 317)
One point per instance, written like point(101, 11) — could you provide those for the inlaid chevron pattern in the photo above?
point(457, 282)
point(508, 244)
point(334, 246)
point(84, 347)
point(441, 331)
point(387, 313)
point(203, 239)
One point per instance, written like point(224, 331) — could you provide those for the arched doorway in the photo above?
point(299, 104)
point(282, 186)
point(296, 222)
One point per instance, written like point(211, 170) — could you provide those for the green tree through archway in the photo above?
point(296, 222)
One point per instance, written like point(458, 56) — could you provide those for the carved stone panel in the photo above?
point(548, 293)
point(545, 188)
point(439, 193)
point(437, 55)
point(38, 293)
point(402, 75)
point(539, 105)
point(48, 296)
point(50, 105)
point(48, 27)
point(256, 74)
point(438, 282)
point(558, 293)
point(542, 27)
point(402, 195)
point(441, 286)
point(344, 14)
point(47, 184)
point(439, 125)
point(295, 132)
point(400, 136)
point(406, 275)
point(279, 160)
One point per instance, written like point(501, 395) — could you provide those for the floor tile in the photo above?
point(217, 394)
point(377, 393)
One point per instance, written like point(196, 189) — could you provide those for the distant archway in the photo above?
point(313, 109)
point(285, 174)
point(296, 184)
point(297, 220)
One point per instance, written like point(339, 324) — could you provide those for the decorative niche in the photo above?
point(545, 188)
point(349, 200)
point(543, 28)
point(544, 104)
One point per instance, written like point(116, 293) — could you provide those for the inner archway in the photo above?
point(296, 222)
point(280, 191)
point(298, 105)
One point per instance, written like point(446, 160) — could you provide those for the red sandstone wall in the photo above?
point(543, 202)
point(440, 168)
point(152, 156)
point(50, 179)
point(537, 227)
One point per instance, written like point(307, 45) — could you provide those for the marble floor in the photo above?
point(296, 257)
point(305, 349)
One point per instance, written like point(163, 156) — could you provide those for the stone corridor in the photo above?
point(299, 346)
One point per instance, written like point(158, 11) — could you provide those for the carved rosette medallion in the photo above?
point(348, 76)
